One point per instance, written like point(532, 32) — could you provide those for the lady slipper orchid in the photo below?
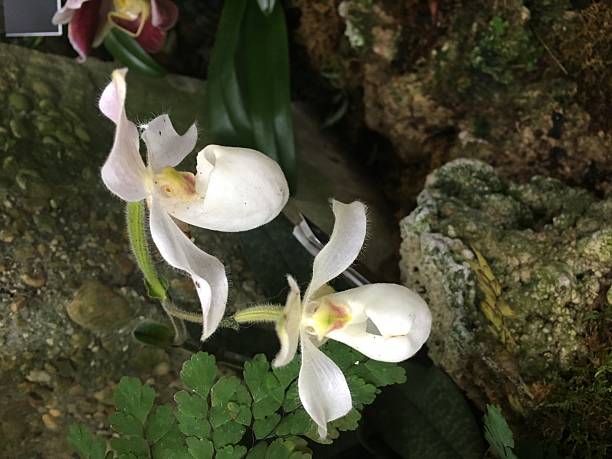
point(386, 322)
point(90, 20)
point(234, 189)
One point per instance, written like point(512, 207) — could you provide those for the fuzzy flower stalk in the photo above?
point(385, 322)
point(90, 20)
point(233, 189)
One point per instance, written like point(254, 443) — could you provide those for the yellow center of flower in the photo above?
point(132, 8)
point(176, 184)
point(328, 317)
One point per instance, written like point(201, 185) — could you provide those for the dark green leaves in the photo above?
point(498, 433)
point(248, 100)
point(134, 399)
point(427, 417)
point(199, 373)
point(129, 53)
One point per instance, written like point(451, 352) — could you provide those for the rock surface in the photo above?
point(520, 85)
point(518, 280)
point(70, 294)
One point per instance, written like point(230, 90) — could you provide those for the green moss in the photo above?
point(504, 48)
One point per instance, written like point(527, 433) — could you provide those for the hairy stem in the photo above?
point(260, 313)
point(135, 217)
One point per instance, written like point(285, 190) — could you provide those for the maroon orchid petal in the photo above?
point(83, 27)
point(131, 26)
point(164, 14)
point(152, 38)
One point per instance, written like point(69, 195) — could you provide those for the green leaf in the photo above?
point(362, 393)
point(154, 334)
point(137, 446)
point(427, 417)
point(128, 52)
point(224, 389)
point(231, 452)
point(193, 427)
point(248, 101)
point(199, 372)
point(281, 449)
point(287, 374)
point(267, 392)
point(134, 398)
point(263, 427)
point(191, 405)
point(498, 433)
point(159, 423)
point(85, 443)
point(229, 433)
point(125, 424)
point(200, 449)
point(296, 423)
point(348, 422)
point(380, 374)
point(292, 398)
point(171, 445)
point(258, 451)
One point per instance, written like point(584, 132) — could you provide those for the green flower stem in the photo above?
point(260, 313)
point(179, 313)
point(138, 242)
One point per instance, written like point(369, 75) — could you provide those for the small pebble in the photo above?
point(35, 281)
point(49, 422)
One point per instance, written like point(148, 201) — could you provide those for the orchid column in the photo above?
point(234, 189)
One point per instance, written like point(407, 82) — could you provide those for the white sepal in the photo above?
point(322, 387)
point(288, 328)
point(124, 172)
point(164, 146)
point(343, 247)
point(240, 189)
point(207, 272)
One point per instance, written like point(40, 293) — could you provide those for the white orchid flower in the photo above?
point(386, 322)
point(234, 189)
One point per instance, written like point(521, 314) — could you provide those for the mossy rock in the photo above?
point(518, 279)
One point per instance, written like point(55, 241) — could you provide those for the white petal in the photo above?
point(207, 272)
point(343, 247)
point(288, 328)
point(164, 146)
point(401, 316)
point(241, 189)
point(124, 171)
point(322, 387)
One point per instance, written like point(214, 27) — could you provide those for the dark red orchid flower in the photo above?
point(90, 20)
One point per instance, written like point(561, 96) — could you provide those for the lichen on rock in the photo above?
point(516, 276)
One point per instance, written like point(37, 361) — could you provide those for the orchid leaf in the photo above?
point(248, 96)
point(128, 52)
point(427, 417)
point(154, 334)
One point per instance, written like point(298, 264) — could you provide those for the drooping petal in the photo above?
point(164, 14)
point(64, 14)
point(401, 316)
point(207, 272)
point(151, 38)
point(124, 172)
point(343, 247)
point(288, 328)
point(83, 25)
point(322, 387)
point(240, 189)
point(164, 146)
